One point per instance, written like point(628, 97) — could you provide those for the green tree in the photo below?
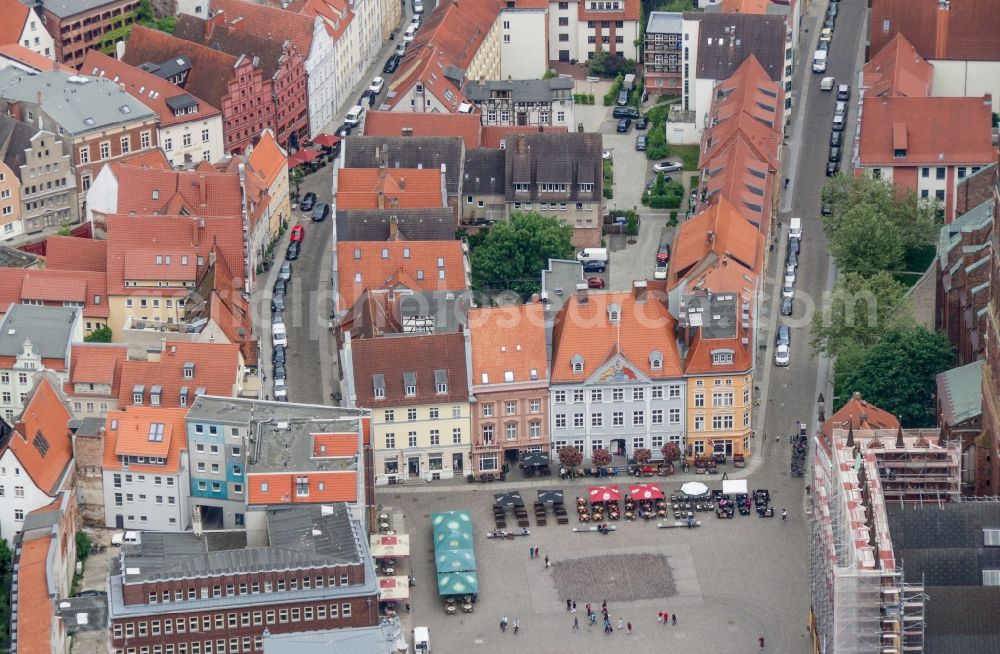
point(83, 544)
point(898, 374)
point(859, 312)
point(599, 62)
point(99, 335)
point(867, 241)
point(144, 14)
point(513, 253)
point(295, 177)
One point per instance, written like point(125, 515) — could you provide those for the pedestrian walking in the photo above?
point(531, 552)
point(761, 639)
point(503, 623)
point(673, 619)
point(777, 439)
point(666, 617)
point(574, 606)
point(628, 626)
point(569, 604)
point(784, 515)
point(593, 619)
point(576, 623)
point(517, 626)
point(621, 624)
point(604, 606)
point(547, 564)
point(659, 616)
point(407, 607)
point(589, 611)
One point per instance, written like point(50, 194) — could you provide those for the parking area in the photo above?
point(713, 577)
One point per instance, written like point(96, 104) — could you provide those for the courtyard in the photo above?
point(728, 581)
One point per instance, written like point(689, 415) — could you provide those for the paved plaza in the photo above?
point(728, 581)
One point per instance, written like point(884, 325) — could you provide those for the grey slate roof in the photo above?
point(48, 328)
point(408, 152)
point(521, 90)
point(237, 411)
point(719, 314)
point(413, 224)
point(357, 640)
point(15, 138)
point(726, 40)
point(972, 220)
point(75, 105)
point(960, 390)
point(66, 8)
point(962, 620)
point(84, 613)
point(484, 172)
point(559, 158)
point(665, 22)
point(14, 258)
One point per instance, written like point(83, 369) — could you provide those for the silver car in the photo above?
point(285, 272)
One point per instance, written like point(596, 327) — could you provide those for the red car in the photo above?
point(595, 282)
point(298, 231)
point(663, 253)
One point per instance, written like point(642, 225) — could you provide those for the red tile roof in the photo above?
point(151, 190)
point(416, 265)
point(97, 363)
point(145, 87)
point(494, 135)
point(35, 610)
point(55, 287)
point(508, 340)
point(217, 369)
point(402, 123)
point(268, 159)
point(402, 188)
point(45, 414)
point(276, 24)
point(860, 414)
point(719, 233)
point(338, 486)
point(632, 11)
point(699, 356)
point(327, 446)
point(742, 178)
point(422, 355)
point(335, 14)
point(12, 26)
point(127, 432)
point(966, 30)
point(23, 55)
point(898, 70)
point(584, 330)
point(70, 253)
point(745, 6)
point(939, 131)
point(133, 237)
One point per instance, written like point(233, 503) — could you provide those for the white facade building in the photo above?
point(148, 500)
point(523, 35)
point(35, 37)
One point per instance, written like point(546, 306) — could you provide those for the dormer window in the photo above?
point(656, 360)
point(614, 313)
point(410, 384)
point(189, 370)
point(722, 357)
point(378, 382)
point(137, 392)
point(154, 395)
point(441, 381)
point(577, 363)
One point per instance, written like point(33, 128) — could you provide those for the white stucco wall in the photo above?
point(966, 78)
point(102, 196)
point(522, 44)
point(174, 135)
point(555, 29)
point(14, 476)
point(144, 490)
point(321, 68)
point(36, 38)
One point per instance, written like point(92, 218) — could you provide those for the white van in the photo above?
point(421, 640)
point(411, 31)
point(592, 254)
point(795, 228)
point(819, 61)
point(354, 114)
point(278, 334)
point(125, 538)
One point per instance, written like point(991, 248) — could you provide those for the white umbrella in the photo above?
point(694, 488)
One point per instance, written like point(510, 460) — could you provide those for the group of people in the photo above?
point(592, 618)
point(666, 618)
point(504, 622)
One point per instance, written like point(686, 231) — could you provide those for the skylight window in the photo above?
point(156, 432)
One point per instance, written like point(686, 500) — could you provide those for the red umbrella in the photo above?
point(645, 492)
point(326, 140)
point(605, 493)
point(301, 157)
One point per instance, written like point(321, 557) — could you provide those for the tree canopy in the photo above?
point(898, 373)
point(512, 254)
point(99, 335)
point(859, 311)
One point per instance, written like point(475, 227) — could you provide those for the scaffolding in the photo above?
point(860, 601)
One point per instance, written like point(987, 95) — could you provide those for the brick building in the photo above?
point(309, 570)
point(80, 25)
point(991, 372)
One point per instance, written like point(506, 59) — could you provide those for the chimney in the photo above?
point(856, 395)
point(639, 291)
point(402, 183)
point(381, 200)
point(211, 257)
point(196, 236)
point(203, 189)
point(581, 292)
point(393, 226)
point(382, 170)
point(38, 98)
point(444, 185)
point(710, 238)
point(482, 80)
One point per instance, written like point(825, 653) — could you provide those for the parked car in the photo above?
point(321, 212)
point(831, 22)
point(367, 98)
point(595, 266)
point(844, 92)
point(834, 154)
point(826, 35)
point(641, 122)
point(823, 46)
point(794, 244)
point(625, 112)
point(793, 258)
point(787, 304)
point(827, 83)
point(840, 109)
point(788, 288)
point(667, 166)
point(607, 155)
point(624, 125)
point(125, 538)
point(400, 50)
point(308, 202)
point(278, 355)
point(782, 356)
point(418, 8)
point(595, 282)
point(285, 272)
point(391, 65)
point(663, 252)
point(826, 209)
point(292, 253)
point(831, 9)
point(640, 143)
point(277, 303)
point(660, 272)
point(623, 97)
point(783, 336)
point(298, 233)
point(280, 375)
point(836, 139)
point(279, 337)
point(376, 85)
point(832, 168)
point(838, 123)
point(280, 286)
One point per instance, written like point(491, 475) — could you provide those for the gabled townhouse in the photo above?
point(44, 566)
point(188, 128)
point(82, 25)
point(897, 70)
point(10, 202)
point(81, 289)
point(146, 472)
point(281, 65)
point(235, 85)
point(21, 58)
point(458, 42)
point(740, 148)
point(524, 48)
point(715, 45)
point(714, 290)
point(264, 178)
point(579, 28)
point(36, 455)
point(178, 373)
point(790, 10)
point(956, 38)
point(95, 373)
point(525, 102)
point(102, 196)
point(469, 127)
point(484, 187)
point(34, 339)
point(925, 144)
point(248, 456)
point(616, 373)
point(510, 385)
point(36, 159)
point(416, 385)
point(391, 188)
point(22, 26)
point(97, 121)
point(393, 224)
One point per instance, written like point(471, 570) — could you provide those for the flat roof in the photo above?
point(357, 640)
point(48, 328)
